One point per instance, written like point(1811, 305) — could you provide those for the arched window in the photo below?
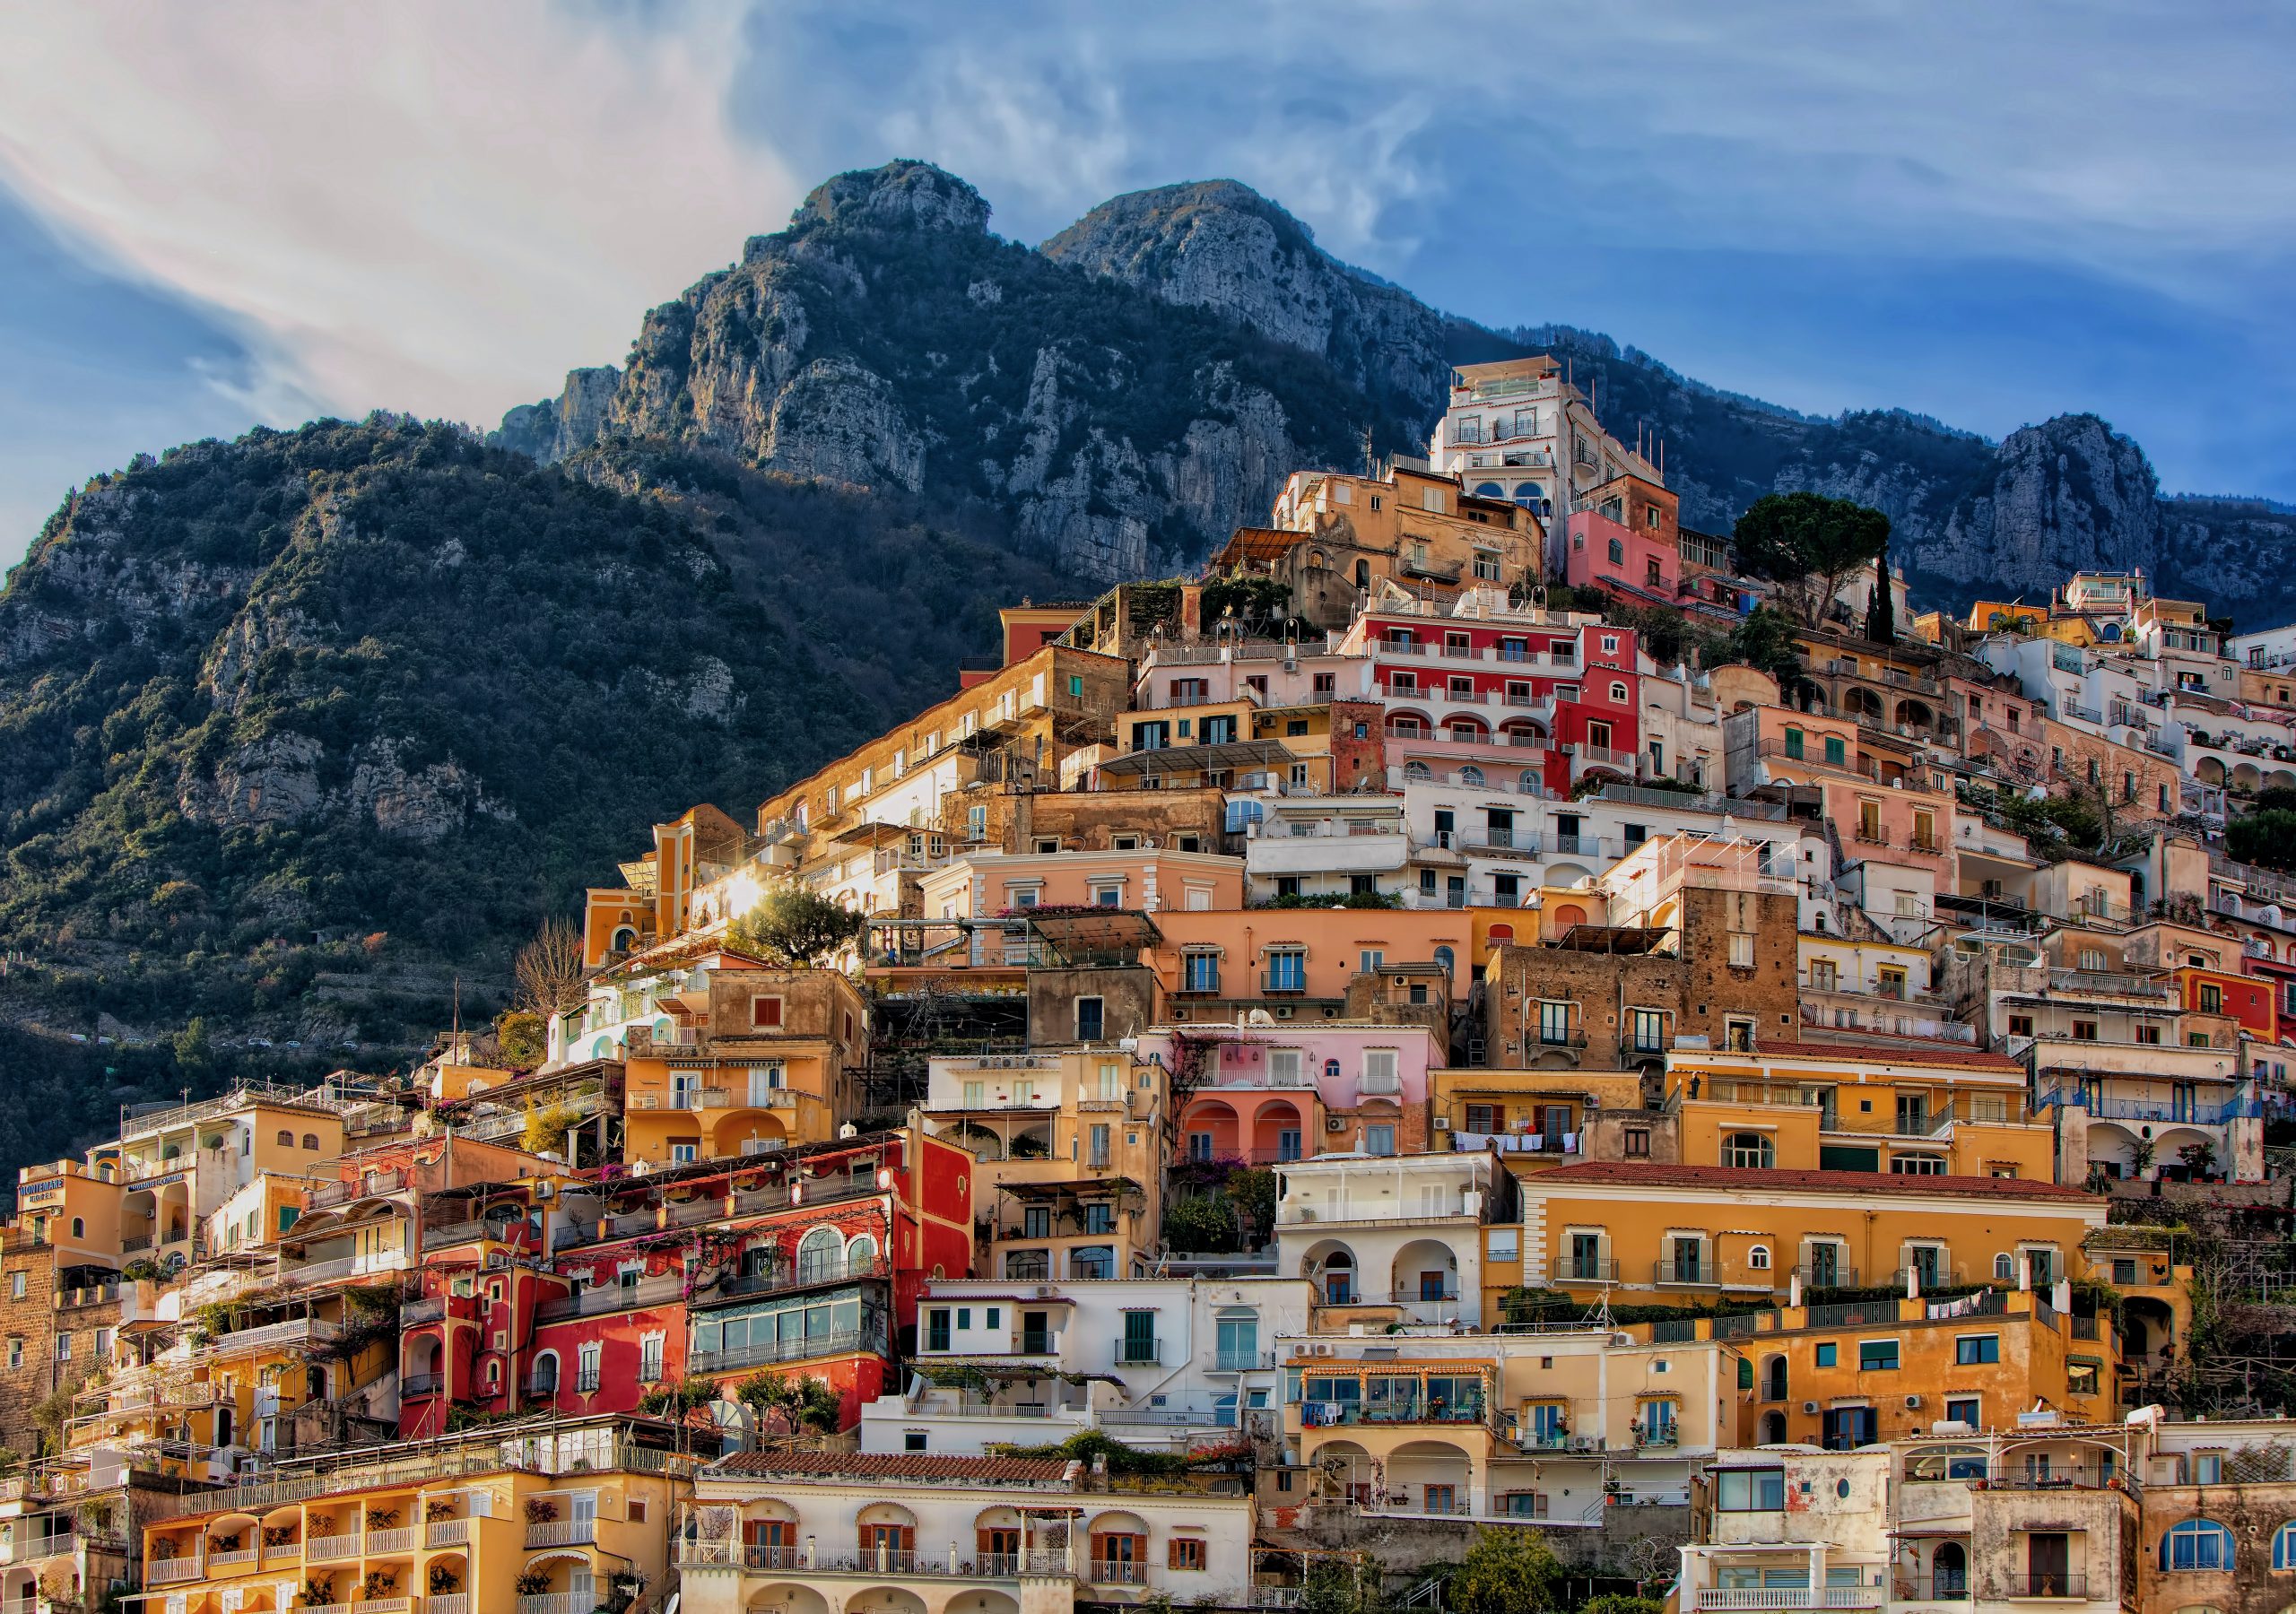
point(860, 1255)
point(2005, 1268)
point(1528, 494)
point(544, 1380)
point(1331, 1069)
point(1618, 552)
point(1618, 694)
point(1949, 1570)
point(494, 1370)
point(2283, 1546)
point(818, 1253)
point(286, 1140)
point(2196, 1544)
point(79, 1227)
point(311, 1140)
point(1751, 1151)
point(1470, 775)
point(1444, 960)
point(1417, 770)
point(1363, 574)
point(1757, 1258)
point(1502, 935)
point(623, 940)
point(1490, 490)
point(1529, 782)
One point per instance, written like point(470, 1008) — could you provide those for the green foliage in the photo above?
point(1882, 610)
point(1200, 1223)
point(1087, 1444)
point(800, 1401)
point(1259, 602)
point(522, 1038)
point(2265, 837)
point(1619, 1602)
point(1509, 1570)
point(793, 925)
point(1810, 541)
point(1763, 639)
point(1252, 1190)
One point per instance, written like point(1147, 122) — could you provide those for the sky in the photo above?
point(238, 212)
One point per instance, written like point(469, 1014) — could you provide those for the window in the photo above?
point(2284, 1547)
point(1749, 1490)
point(936, 1329)
point(1287, 969)
point(765, 1012)
point(1379, 1140)
point(16, 1286)
point(1741, 950)
point(63, 1346)
point(2208, 1468)
point(1877, 1356)
point(310, 1139)
point(1964, 1410)
point(1555, 1022)
point(649, 1359)
point(1089, 1018)
point(1969, 1350)
point(2080, 1377)
point(286, 1140)
point(1187, 1552)
point(1637, 1142)
point(2198, 1544)
point(1750, 1150)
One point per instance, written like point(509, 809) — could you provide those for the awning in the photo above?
point(1198, 758)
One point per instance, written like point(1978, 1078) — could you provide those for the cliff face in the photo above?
point(1220, 245)
point(1140, 384)
point(886, 340)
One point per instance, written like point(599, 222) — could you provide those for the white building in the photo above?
point(1403, 1231)
point(919, 1533)
point(1163, 1362)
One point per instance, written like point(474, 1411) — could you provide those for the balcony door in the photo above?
point(2048, 1563)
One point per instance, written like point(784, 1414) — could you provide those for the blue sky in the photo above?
point(236, 213)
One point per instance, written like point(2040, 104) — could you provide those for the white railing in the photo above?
point(331, 1549)
point(562, 1532)
point(343, 1266)
point(379, 1542)
point(446, 1532)
point(169, 1572)
point(227, 1559)
point(1788, 1597)
point(559, 1602)
point(448, 1602)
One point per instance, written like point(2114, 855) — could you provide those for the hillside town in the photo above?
point(1421, 1035)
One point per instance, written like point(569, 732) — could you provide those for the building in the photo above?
point(930, 1533)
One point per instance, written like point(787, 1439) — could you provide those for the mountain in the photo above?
point(887, 339)
point(296, 730)
point(1969, 515)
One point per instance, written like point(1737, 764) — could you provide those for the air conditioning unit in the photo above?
point(1912, 1403)
point(545, 1189)
point(1284, 1012)
point(1809, 1406)
point(1045, 1291)
point(1321, 1350)
point(1332, 1123)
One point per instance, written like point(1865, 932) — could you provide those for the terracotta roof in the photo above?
point(1628, 1173)
point(1918, 1050)
point(897, 1465)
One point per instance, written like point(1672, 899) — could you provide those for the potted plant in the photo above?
point(541, 1510)
point(378, 1584)
point(443, 1580)
point(317, 1593)
point(436, 1509)
point(532, 1583)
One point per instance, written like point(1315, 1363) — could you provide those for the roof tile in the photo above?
point(1656, 1174)
point(896, 1465)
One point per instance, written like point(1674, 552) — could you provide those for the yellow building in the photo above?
point(1697, 1234)
point(1917, 1110)
point(1854, 1373)
point(545, 1518)
point(735, 1058)
point(1069, 1152)
point(1537, 1117)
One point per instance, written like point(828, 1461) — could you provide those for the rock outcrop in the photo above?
point(887, 340)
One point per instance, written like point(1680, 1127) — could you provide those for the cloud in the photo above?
point(421, 206)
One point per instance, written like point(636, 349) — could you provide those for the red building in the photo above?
point(1525, 691)
point(2281, 977)
point(2248, 998)
point(1625, 543)
point(801, 1263)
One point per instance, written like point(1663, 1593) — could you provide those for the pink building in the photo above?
point(1269, 1092)
point(1626, 542)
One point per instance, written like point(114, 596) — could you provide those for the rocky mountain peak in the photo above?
point(1220, 245)
point(903, 194)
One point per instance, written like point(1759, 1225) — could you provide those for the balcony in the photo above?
point(1108, 1572)
point(1575, 1271)
point(559, 1602)
point(415, 1386)
point(2071, 1588)
point(601, 1298)
point(561, 1533)
point(173, 1572)
point(1786, 1597)
point(385, 1543)
point(805, 1275)
point(1138, 1353)
point(331, 1549)
point(313, 1272)
point(1242, 1361)
point(446, 1532)
point(847, 1342)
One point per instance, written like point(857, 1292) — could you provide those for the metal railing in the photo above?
point(803, 1275)
point(1109, 1572)
point(1784, 1597)
point(601, 1298)
point(2044, 1584)
point(1138, 1353)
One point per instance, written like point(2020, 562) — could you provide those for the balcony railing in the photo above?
point(561, 1533)
point(1786, 1597)
point(170, 1572)
point(331, 1549)
point(1138, 1353)
point(2072, 1587)
point(804, 1275)
point(604, 1297)
point(758, 1355)
point(1108, 1572)
point(381, 1542)
point(412, 1386)
point(1588, 1272)
point(559, 1602)
point(446, 1532)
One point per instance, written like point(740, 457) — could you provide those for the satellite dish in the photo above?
point(735, 1422)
